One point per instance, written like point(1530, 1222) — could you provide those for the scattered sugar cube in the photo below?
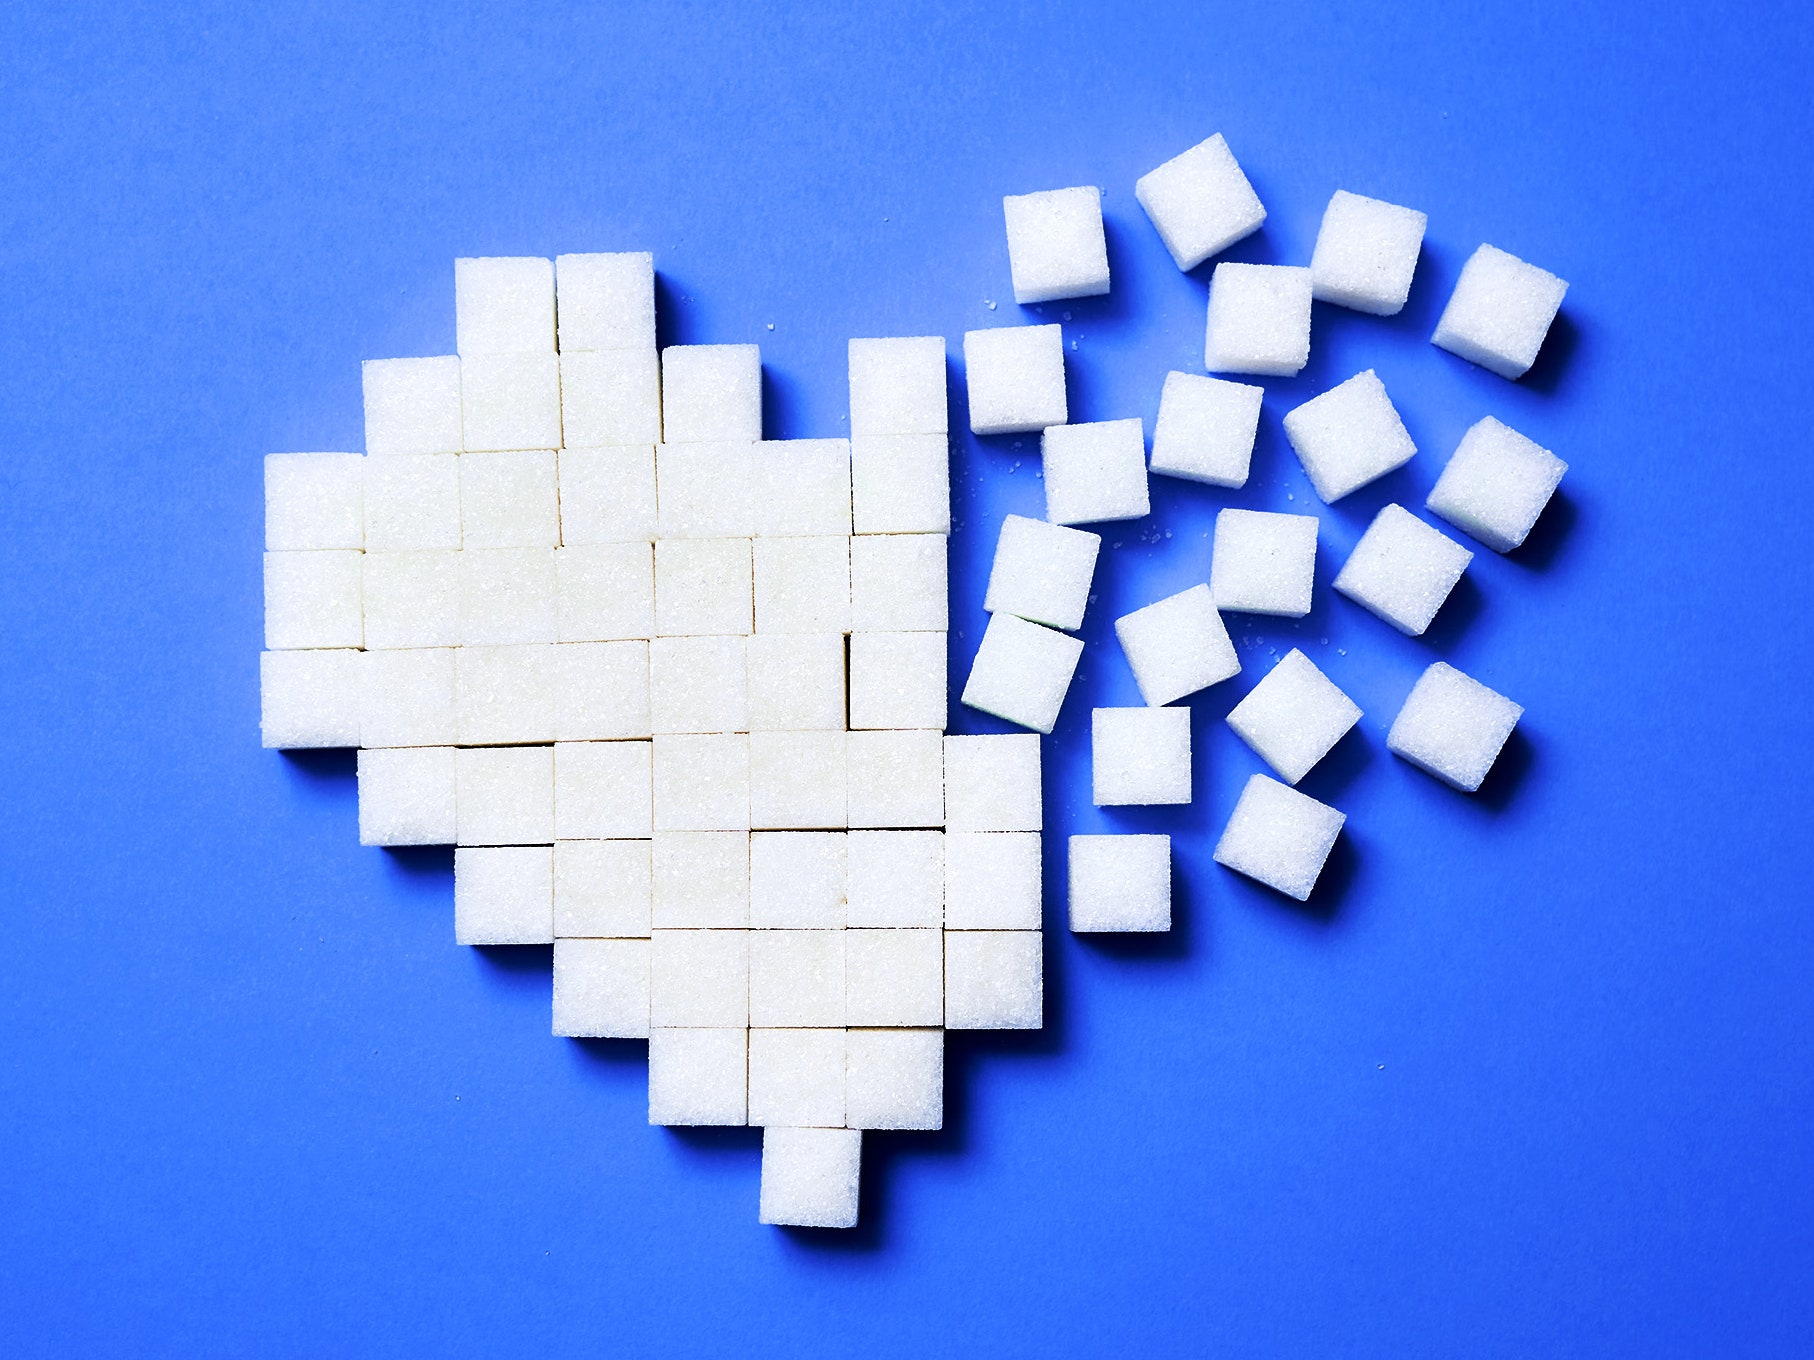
point(698, 1076)
point(897, 779)
point(410, 599)
point(1138, 755)
point(796, 682)
point(701, 880)
point(1453, 727)
point(603, 790)
point(1022, 672)
point(508, 595)
point(1095, 472)
point(510, 401)
point(601, 691)
point(504, 694)
point(601, 989)
point(504, 895)
point(605, 301)
point(1294, 716)
point(696, 684)
point(800, 487)
point(312, 600)
point(1121, 883)
point(699, 979)
point(1366, 252)
point(604, 592)
point(1496, 485)
point(412, 406)
point(705, 490)
point(802, 584)
point(897, 386)
point(809, 1177)
point(711, 392)
point(308, 699)
point(901, 483)
point(994, 979)
point(1042, 572)
point(992, 783)
point(406, 796)
point(1279, 837)
point(1500, 312)
point(1056, 248)
point(1263, 563)
point(1015, 376)
point(1348, 436)
point(702, 783)
point(1177, 646)
point(604, 890)
point(314, 501)
point(412, 502)
point(797, 1078)
point(1200, 202)
point(797, 978)
point(797, 880)
point(894, 1078)
point(1259, 320)
point(610, 397)
point(1206, 429)
point(703, 586)
point(503, 305)
point(895, 879)
point(509, 500)
point(505, 795)
point(898, 583)
point(1402, 570)
point(897, 680)
point(408, 698)
point(798, 779)
point(607, 495)
point(992, 880)
point(894, 977)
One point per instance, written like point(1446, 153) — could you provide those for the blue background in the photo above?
point(1530, 1075)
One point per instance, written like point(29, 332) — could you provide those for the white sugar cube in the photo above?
point(1139, 755)
point(610, 397)
point(412, 406)
point(1206, 429)
point(1177, 646)
point(1294, 716)
point(992, 783)
point(309, 699)
point(503, 895)
point(1366, 252)
point(504, 305)
point(798, 779)
point(410, 599)
point(894, 1078)
point(504, 694)
point(994, 979)
point(797, 880)
point(1453, 727)
point(711, 392)
point(601, 691)
point(603, 890)
point(1500, 312)
point(698, 1076)
point(1259, 320)
point(898, 583)
point(797, 978)
point(895, 879)
point(1042, 572)
point(1402, 570)
point(1496, 485)
point(1121, 883)
point(897, 386)
point(510, 401)
point(312, 600)
point(1263, 563)
point(601, 989)
point(796, 682)
point(1348, 436)
point(1022, 672)
point(702, 783)
point(703, 586)
point(314, 501)
point(505, 795)
point(697, 684)
point(699, 978)
point(705, 490)
point(897, 680)
point(797, 1078)
point(901, 483)
point(1200, 202)
point(607, 495)
point(408, 698)
point(1279, 837)
point(508, 595)
point(894, 977)
point(802, 584)
point(603, 790)
point(509, 500)
point(1015, 377)
point(406, 796)
point(412, 502)
point(1095, 472)
point(604, 592)
point(810, 1177)
point(800, 487)
point(897, 779)
point(605, 301)
point(1056, 248)
point(701, 880)
point(992, 880)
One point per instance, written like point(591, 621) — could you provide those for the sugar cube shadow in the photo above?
point(424, 862)
point(1550, 536)
point(1509, 773)
point(325, 765)
point(1466, 603)
point(1558, 357)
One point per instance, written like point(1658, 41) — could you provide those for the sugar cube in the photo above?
point(992, 783)
point(897, 779)
point(809, 1177)
point(503, 895)
point(603, 790)
point(797, 978)
point(604, 592)
point(900, 484)
point(894, 977)
point(1366, 252)
point(1177, 646)
point(1263, 563)
point(1500, 312)
point(309, 698)
point(1496, 485)
point(503, 305)
point(702, 783)
point(1042, 572)
point(601, 989)
point(601, 691)
point(1206, 429)
point(696, 684)
point(313, 501)
point(894, 1078)
point(705, 490)
point(703, 586)
point(898, 583)
point(508, 595)
point(407, 698)
point(1138, 755)
point(412, 502)
point(1022, 672)
point(1095, 472)
point(510, 401)
point(406, 796)
point(504, 694)
point(798, 779)
point(607, 495)
point(1402, 570)
point(1056, 247)
point(701, 880)
point(711, 392)
point(505, 795)
point(610, 397)
point(1121, 883)
point(796, 682)
point(897, 386)
point(802, 584)
point(1279, 837)
point(895, 879)
point(312, 600)
point(1294, 716)
point(797, 880)
point(1453, 727)
point(797, 1078)
point(1348, 436)
point(410, 599)
point(698, 1076)
point(605, 301)
point(992, 880)
point(1259, 320)
point(800, 487)
point(1015, 376)
point(993, 979)
point(603, 890)
point(897, 680)
point(699, 978)
point(1200, 202)
point(412, 406)
point(509, 500)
